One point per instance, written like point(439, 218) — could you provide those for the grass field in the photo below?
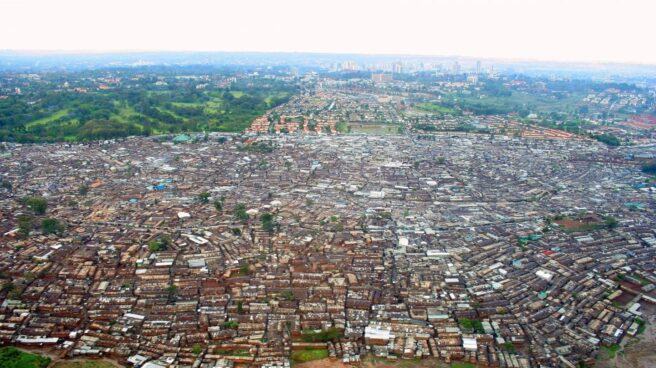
point(301, 356)
point(212, 107)
point(124, 114)
point(374, 128)
point(436, 108)
point(611, 350)
point(187, 104)
point(10, 357)
point(56, 115)
point(462, 365)
point(522, 99)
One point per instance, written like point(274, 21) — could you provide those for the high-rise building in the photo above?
point(455, 68)
point(478, 67)
point(350, 65)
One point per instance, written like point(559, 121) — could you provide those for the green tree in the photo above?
point(286, 295)
point(649, 167)
point(204, 197)
point(231, 325)
point(8, 287)
point(25, 225)
point(37, 204)
point(471, 324)
point(608, 139)
point(611, 222)
point(240, 212)
point(172, 292)
point(154, 246)
point(196, 349)
point(51, 226)
point(7, 185)
point(268, 223)
point(83, 189)
point(165, 241)
point(509, 347)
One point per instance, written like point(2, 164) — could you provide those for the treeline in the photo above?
point(107, 129)
point(608, 139)
point(468, 128)
point(486, 108)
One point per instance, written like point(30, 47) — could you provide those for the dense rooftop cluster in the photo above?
point(222, 249)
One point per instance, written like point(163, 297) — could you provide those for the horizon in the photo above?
point(600, 32)
point(64, 52)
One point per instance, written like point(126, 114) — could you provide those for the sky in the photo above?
point(549, 30)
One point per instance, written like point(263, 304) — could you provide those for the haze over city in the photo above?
point(586, 30)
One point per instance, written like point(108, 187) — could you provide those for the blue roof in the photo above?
point(182, 138)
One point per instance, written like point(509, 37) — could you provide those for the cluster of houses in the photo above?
point(321, 108)
point(240, 251)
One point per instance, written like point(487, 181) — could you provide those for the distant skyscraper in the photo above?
point(455, 68)
point(349, 65)
point(478, 67)
point(397, 67)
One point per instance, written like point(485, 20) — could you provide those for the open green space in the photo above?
point(462, 365)
point(321, 335)
point(232, 352)
point(375, 129)
point(10, 357)
point(432, 107)
point(611, 351)
point(48, 119)
point(138, 108)
point(301, 356)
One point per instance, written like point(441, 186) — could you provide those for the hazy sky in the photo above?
point(567, 30)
